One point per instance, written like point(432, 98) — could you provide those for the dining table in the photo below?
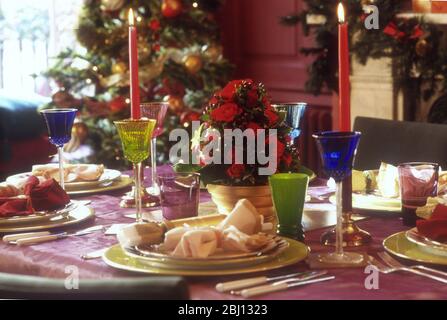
point(53, 259)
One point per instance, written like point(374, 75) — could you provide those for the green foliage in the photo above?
point(417, 60)
point(93, 79)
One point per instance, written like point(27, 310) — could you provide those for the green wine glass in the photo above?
point(135, 136)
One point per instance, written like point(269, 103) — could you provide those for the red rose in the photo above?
point(230, 89)
point(236, 170)
point(117, 104)
point(272, 116)
point(225, 112)
point(254, 126)
point(287, 158)
point(252, 97)
point(280, 147)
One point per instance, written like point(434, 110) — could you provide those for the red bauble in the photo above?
point(171, 8)
point(154, 24)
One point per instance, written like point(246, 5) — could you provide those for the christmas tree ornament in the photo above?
point(212, 52)
point(176, 104)
point(119, 67)
point(111, 5)
point(171, 8)
point(154, 24)
point(193, 63)
point(118, 104)
point(79, 130)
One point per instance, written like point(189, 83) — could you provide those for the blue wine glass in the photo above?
point(59, 123)
point(292, 113)
point(337, 152)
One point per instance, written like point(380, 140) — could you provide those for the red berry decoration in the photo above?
point(171, 8)
point(154, 24)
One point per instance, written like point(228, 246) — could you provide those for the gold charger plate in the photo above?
point(400, 246)
point(117, 258)
point(37, 216)
point(79, 214)
point(121, 183)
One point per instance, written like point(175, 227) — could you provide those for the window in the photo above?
point(31, 32)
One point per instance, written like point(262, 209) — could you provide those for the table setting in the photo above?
point(233, 228)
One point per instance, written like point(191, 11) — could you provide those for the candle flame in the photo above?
point(341, 13)
point(131, 17)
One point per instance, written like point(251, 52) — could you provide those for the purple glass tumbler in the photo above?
point(418, 181)
point(179, 195)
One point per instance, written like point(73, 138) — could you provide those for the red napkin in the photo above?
point(47, 195)
point(435, 228)
point(15, 207)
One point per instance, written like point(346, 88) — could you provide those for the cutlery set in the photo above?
point(261, 285)
point(30, 238)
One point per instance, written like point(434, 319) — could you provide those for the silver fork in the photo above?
point(395, 263)
point(386, 270)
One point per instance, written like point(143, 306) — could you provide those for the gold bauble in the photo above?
point(212, 52)
point(119, 67)
point(80, 131)
point(176, 104)
point(193, 63)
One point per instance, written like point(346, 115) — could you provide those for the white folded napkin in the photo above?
point(72, 172)
point(239, 231)
point(197, 243)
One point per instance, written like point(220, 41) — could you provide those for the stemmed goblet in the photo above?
point(292, 113)
point(156, 111)
point(337, 152)
point(135, 136)
point(59, 124)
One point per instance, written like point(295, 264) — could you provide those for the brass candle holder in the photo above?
point(353, 236)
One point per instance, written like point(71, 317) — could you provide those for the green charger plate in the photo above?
point(400, 246)
point(117, 258)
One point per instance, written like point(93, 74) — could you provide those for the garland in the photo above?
point(414, 44)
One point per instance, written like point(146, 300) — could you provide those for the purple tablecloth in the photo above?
point(52, 258)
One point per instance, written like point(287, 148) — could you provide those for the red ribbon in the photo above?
point(392, 30)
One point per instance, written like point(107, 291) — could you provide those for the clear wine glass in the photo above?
point(59, 124)
point(156, 111)
point(337, 152)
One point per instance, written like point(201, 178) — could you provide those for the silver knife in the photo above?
point(233, 286)
point(247, 293)
point(50, 237)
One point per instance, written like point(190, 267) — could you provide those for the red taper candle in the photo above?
point(135, 112)
point(343, 72)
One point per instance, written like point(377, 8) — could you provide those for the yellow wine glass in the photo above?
point(135, 135)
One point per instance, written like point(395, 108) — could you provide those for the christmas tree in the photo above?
point(180, 60)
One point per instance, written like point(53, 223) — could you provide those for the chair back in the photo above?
point(396, 142)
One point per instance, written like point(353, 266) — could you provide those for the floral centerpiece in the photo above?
point(242, 111)
point(243, 105)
